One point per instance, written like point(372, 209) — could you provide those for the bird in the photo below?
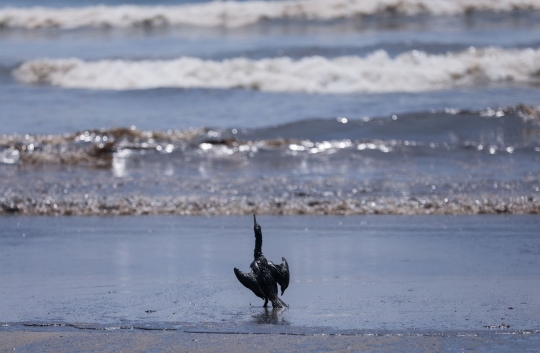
point(265, 275)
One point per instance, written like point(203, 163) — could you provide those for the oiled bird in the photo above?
point(265, 275)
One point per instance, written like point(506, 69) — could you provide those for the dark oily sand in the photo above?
point(388, 281)
point(163, 341)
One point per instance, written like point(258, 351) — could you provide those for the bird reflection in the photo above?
point(270, 316)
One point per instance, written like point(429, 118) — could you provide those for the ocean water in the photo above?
point(274, 107)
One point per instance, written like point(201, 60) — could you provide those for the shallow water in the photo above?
point(450, 162)
point(348, 274)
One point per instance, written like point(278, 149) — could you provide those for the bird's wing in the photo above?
point(281, 273)
point(249, 281)
point(283, 270)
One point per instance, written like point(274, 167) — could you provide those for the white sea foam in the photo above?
point(378, 72)
point(234, 14)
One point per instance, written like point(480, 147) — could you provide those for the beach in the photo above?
point(389, 148)
point(360, 281)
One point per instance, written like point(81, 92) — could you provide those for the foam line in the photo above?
point(235, 14)
point(412, 71)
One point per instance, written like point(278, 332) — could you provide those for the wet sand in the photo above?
point(375, 283)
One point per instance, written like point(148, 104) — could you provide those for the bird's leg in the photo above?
point(278, 303)
point(265, 303)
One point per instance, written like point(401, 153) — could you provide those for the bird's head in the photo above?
point(256, 225)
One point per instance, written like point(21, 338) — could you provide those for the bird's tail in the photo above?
point(278, 303)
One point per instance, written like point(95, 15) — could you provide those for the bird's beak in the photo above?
point(254, 221)
point(283, 291)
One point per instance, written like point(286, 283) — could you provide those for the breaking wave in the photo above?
point(235, 14)
point(412, 71)
point(105, 148)
point(475, 131)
